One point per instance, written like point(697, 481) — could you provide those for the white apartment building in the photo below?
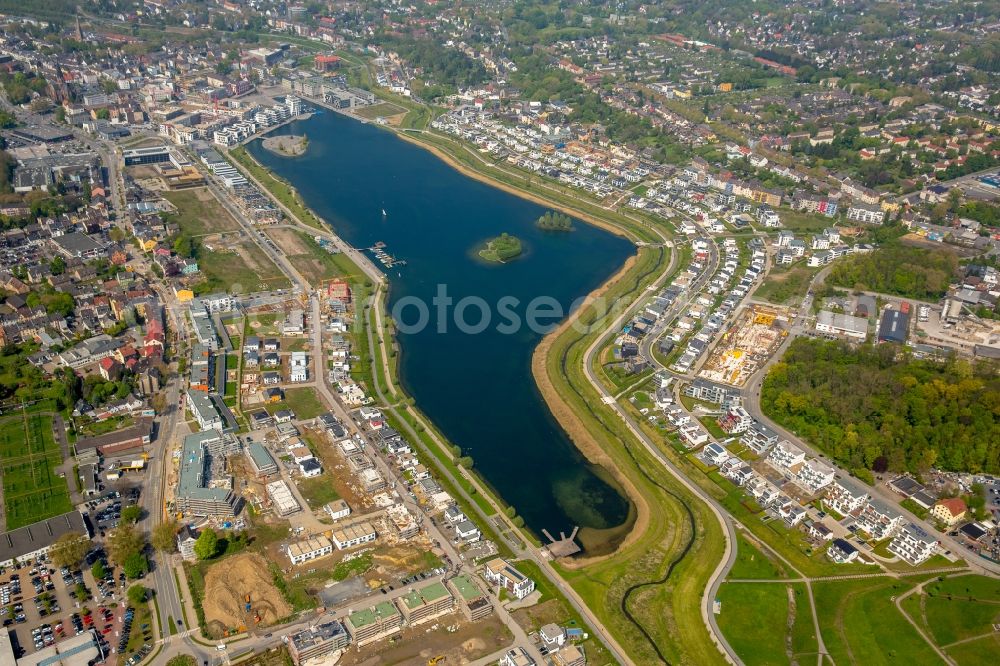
point(785, 455)
point(309, 549)
point(913, 545)
point(814, 475)
point(846, 497)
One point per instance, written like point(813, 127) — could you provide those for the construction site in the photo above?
point(747, 345)
point(240, 593)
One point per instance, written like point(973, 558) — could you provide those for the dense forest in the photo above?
point(911, 272)
point(868, 409)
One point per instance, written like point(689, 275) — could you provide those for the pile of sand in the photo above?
point(226, 586)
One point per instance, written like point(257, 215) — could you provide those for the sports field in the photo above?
point(29, 456)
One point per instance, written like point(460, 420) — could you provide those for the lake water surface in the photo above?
point(477, 387)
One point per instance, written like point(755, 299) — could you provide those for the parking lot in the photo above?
point(40, 606)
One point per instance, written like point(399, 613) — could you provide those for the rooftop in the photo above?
point(377, 613)
point(465, 587)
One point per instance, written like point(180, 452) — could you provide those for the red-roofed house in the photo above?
point(109, 368)
point(326, 63)
point(949, 510)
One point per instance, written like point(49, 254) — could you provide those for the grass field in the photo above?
point(861, 624)
point(802, 222)
point(243, 270)
point(752, 563)
point(786, 284)
point(385, 109)
point(303, 401)
point(982, 652)
point(656, 578)
point(318, 491)
point(233, 264)
point(29, 456)
point(958, 608)
point(199, 212)
point(746, 609)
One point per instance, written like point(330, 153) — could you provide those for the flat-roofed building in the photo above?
point(517, 656)
point(501, 572)
point(372, 624)
point(30, 541)
point(338, 509)
point(372, 480)
point(426, 604)
point(569, 655)
point(81, 650)
point(203, 488)
point(842, 324)
point(474, 604)
point(309, 549)
point(204, 411)
point(318, 640)
point(913, 545)
point(353, 535)
point(261, 460)
point(283, 500)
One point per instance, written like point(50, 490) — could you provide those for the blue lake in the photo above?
point(477, 387)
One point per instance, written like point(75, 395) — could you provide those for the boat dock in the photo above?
point(564, 546)
point(386, 259)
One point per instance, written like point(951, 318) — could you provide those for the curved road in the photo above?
point(729, 556)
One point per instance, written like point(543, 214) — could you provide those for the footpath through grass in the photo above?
point(768, 624)
point(665, 615)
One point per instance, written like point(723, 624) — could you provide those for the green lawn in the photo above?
point(957, 619)
point(318, 491)
point(384, 109)
point(979, 588)
point(802, 222)
point(712, 426)
point(752, 563)
point(303, 401)
point(754, 619)
point(199, 212)
point(786, 284)
point(977, 653)
point(861, 624)
point(29, 456)
point(233, 272)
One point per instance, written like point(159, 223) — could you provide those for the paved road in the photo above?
point(751, 402)
point(729, 554)
point(534, 554)
point(358, 257)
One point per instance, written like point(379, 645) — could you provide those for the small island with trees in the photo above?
point(554, 221)
point(287, 145)
point(501, 249)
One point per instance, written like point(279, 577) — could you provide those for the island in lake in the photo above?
point(288, 145)
point(554, 221)
point(501, 249)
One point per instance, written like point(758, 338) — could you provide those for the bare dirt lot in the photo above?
point(469, 641)
point(226, 586)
